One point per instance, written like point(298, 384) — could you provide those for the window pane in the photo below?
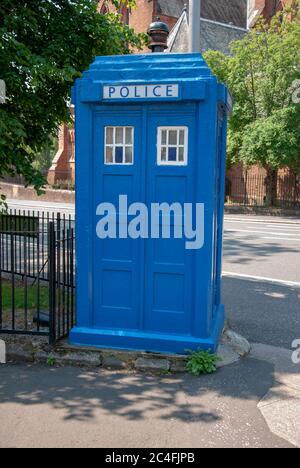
point(172, 154)
point(119, 154)
point(181, 155)
point(173, 137)
point(109, 155)
point(128, 155)
point(119, 136)
point(164, 154)
point(181, 137)
point(128, 136)
point(164, 137)
point(109, 135)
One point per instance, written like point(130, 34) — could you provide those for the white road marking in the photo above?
point(281, 238)
point(266, 225)
point(261, 278)
point(236, 235)
point(286, 228)
point(264, 221)
point(263, 232)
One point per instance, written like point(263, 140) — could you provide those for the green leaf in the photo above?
point(265, 125)
point(44, 46)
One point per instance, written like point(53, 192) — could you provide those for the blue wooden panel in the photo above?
point(117, 267)
point(168, 294)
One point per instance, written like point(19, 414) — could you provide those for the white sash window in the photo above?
point(119, 145)
point(172, 146)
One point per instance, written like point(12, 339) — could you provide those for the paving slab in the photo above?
point(281, 405)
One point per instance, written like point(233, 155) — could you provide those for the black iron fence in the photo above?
point(251, 190)
point(37, 274)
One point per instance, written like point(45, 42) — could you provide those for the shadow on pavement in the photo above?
point(243, 250)
point(137, 396)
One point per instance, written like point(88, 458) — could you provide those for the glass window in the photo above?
point(119, 145)
point(172, 146)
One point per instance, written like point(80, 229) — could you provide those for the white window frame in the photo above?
point(185, 146)
point(114, 145)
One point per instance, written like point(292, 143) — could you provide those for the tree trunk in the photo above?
point(271, 186)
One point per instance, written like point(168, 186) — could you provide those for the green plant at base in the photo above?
point(51, 361)
point(202, 362)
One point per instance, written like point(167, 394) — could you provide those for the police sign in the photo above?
point(144, 91)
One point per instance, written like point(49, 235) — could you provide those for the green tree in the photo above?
point(265, 125)
point(44, 46)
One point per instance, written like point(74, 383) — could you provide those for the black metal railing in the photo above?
point(37, 274)
point(252, 190)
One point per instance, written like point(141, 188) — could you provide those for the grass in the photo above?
point(32, 295)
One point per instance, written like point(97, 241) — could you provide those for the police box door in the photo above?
point(118, 168)
point(170, 178)
point(147, 155)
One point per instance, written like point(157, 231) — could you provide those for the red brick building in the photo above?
point(265, 8)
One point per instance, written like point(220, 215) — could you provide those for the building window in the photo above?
point(172, 146)
point(119, 145)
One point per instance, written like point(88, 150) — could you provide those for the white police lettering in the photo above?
point(157, 91)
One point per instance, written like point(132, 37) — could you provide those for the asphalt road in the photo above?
point(261, 283)
point(262, 247)
point(263, 312)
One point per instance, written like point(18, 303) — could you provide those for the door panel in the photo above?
point(168, 265)
point(117, 262)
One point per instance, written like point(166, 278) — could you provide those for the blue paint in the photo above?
point(149, 294)
point(119, 154)
point(172, 154)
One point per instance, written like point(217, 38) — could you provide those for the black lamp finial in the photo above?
point(159, 33)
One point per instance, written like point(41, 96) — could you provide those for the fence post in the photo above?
point(52, 282)
point(1, 227)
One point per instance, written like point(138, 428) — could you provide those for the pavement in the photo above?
point(69, 407)
point(253, 403)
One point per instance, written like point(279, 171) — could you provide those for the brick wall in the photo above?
point(269, 7)
point(141, 17)
point(63, 164)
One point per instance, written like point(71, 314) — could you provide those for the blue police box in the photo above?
point(150, 129)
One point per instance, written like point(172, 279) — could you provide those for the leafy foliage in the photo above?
point(202, 362)
point(274, 140)
point(44, 46)
point(51, 361)
point(265, 124)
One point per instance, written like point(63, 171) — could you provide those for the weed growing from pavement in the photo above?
point(51, 361)
point(202, 362)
